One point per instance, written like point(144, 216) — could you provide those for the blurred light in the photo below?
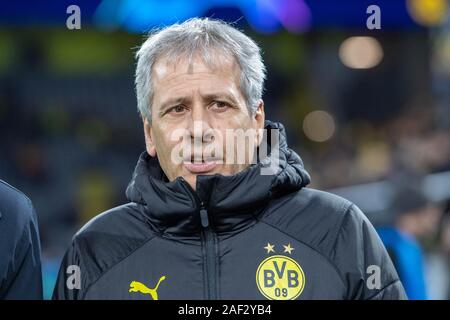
point(361, 52)
point(428, 12)
point(319, 126)
point(441, 58)
point(374, 159)
point(266, 16)
point(95, 194)
point(294, 15)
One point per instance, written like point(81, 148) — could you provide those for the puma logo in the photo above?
point(136, 286)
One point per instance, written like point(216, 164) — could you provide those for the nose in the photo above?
point(200, 132)
point(199, 126)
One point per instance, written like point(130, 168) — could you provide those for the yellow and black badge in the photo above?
point(280, 277)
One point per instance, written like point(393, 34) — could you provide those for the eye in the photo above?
point(221, 105)
point(177, 109)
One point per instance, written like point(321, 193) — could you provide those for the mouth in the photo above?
point(200, 166)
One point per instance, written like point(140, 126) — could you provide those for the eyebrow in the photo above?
point(218, 96)
point(173, 102)
point(186, 100)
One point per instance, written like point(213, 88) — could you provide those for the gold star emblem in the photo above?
point(269, 248)
point(288, 248)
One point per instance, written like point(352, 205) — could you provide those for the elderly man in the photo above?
point(201, 224)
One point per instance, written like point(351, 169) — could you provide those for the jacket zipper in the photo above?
point(209, 242)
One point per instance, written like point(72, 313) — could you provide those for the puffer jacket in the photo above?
point(243, 236)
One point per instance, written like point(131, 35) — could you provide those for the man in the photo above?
point(20, 259)
point(201, 226)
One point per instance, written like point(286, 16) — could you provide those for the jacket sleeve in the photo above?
point(363, 261)
point(24, 278)
point(69, 283)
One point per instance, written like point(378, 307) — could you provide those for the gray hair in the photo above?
point(200, 36)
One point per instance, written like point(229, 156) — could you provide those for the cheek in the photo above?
point(233, 148)
point(164, 141)
point(236, 120)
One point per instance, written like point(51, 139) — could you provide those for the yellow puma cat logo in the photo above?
point(136, 286)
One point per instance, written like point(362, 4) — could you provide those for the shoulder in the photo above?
point(123, 224)
point(307, 207)
point(312, 216)
point(121, 219)
point(112, 234)
point(18, 228)
point(16, 209)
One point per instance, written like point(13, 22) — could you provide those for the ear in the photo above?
point(149, 142)
point(259, 118)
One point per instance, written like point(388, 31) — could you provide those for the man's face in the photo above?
point(193, 107)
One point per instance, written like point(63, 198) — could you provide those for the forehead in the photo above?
point(219, 68)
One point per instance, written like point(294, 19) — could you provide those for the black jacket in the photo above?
point(245, 236)
point(20, 257)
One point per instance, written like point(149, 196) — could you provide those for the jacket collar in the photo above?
point(232, 201)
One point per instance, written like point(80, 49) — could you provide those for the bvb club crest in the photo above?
point(279, 277)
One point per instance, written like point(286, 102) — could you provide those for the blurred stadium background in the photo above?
point(367, 110)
